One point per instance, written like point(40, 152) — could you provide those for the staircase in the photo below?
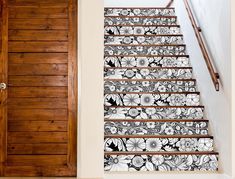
point(154, 120)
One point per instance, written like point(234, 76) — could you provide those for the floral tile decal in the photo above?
point(153, 116)
point(151, 99)
point(145, 40)
point(161, 162)
point(141, 30)
point(149, 86)
point(153, 113)
point(155, 128)
point(144, 50)
point(145, 73)
point(158, 144)
point(146, 62)
point(138, 12)
point(140, 21)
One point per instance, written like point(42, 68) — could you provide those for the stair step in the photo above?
point(142, 30)
point(140, 20)
point(146, 45)
point(151, 99)
point(146, 35)
point(156, 120)
point(139, 11)
point(155, 127)
point(158, 93)
point(138, 7)
point(154, 73)
point(143, 40)
point(158, 144)
point(149, 86)
point(146, 62)
point(153, 56)
point(146, 16)
point(175, 161)
point(156, 112)
point(145, 50)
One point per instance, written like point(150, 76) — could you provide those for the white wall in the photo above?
point(233, 83)
point(214, 17)
point(90, 136)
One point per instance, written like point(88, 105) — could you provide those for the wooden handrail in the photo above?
point(214, 75)
point(169, 4)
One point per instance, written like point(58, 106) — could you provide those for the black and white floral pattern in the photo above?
point(145, 73)
point(144, 50)
point(140, 21)
point(151, 99)
point(153, 117)
point(146, 62)
point(142, 30)
point(158, 144)
point(138, 12)
point(155, 128)
point(145, 40)
point(149, 86)
point(153, 113)
point(179, 162)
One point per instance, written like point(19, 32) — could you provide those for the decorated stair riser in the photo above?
point(144, 40)
point(153, 113)
point(142, 30)
point(145, 162)
point(148, 73)
point(135, 20)
point(158, 144)
point(144, 50)
point(151, 99)
point(146, 62)
point(154, 120)
point(156, 128)
point(138, 12)
point(149, 86)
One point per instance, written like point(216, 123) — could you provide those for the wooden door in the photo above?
point(38, 114)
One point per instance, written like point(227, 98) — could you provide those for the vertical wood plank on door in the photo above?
point(72, 85)
point(4, 79)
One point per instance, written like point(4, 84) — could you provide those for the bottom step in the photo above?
point(164, 162)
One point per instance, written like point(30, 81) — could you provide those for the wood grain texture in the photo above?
point(37, 103)
point(28, 46)
point(42, 88)
point(37, 58)
point(41, 3)
point(37, 137)
point(3, 79)
point(38, 35)
point(34, 126)
point(37, 13)
point(37, 149)
point(36, 24)
point(72, 85)
point(38, 92)
point(38, 81)
point(38, 69)
point(32, 171)
point(36, 160)
point(37, 114)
